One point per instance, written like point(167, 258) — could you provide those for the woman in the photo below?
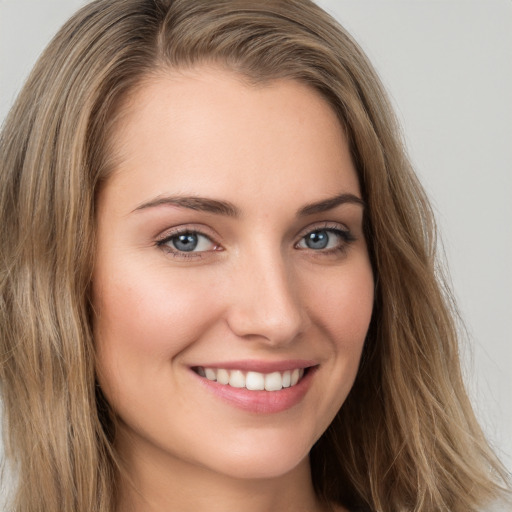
point(218, 282)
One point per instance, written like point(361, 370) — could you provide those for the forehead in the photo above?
point(195, 130)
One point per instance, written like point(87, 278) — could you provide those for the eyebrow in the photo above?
point(329, 204)
point(202, 204)
point(205, 204)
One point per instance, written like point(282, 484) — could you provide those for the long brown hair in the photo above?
point(406, 438)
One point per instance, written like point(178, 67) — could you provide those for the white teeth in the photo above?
point(287, 379)
point(254, 381)
point(273, 381)
point(222, 376)
point(237, 379)
point(210, 374)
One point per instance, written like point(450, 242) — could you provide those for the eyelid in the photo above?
point(162, 239)
point(340, 230)
point(186, 228)
point(325, 225)
point(165, 237)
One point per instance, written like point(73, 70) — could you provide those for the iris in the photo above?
point(317, 240)
point(186, 242)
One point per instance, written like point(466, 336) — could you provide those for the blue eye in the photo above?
point(186, 242)
point(317, 240)
point(325, 239)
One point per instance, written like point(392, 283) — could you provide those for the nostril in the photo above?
point(273, 326)
point(266, 305)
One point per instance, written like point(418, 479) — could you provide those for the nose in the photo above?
point(266, 304)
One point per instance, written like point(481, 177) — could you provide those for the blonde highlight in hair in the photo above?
point(406, 438)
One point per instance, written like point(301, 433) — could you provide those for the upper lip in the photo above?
point(260, 365)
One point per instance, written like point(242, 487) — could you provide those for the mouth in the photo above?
point(252, 380)
point(261, 387)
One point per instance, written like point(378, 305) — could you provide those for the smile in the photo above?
point(251, 380)
point(261, 387)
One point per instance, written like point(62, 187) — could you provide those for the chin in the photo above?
point(262, 468)
point(262, 457)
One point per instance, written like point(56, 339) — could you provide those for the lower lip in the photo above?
point(261, 402)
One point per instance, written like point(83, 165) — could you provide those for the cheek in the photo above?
point(340, 306)
point(145, 321)
point(344, 305)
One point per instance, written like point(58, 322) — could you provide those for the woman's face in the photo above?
point(230, 262)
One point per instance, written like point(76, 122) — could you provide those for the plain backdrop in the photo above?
point(447, 65)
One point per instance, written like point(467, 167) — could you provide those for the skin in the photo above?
point(254, 290)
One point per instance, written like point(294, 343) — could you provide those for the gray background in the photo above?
point(447, 65)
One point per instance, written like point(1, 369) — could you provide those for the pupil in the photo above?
point(186, 242)
point(317, 240)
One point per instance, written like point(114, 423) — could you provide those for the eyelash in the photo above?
point(163, 243)
point(344, 234)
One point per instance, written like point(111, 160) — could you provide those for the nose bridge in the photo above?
point(267, 304)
